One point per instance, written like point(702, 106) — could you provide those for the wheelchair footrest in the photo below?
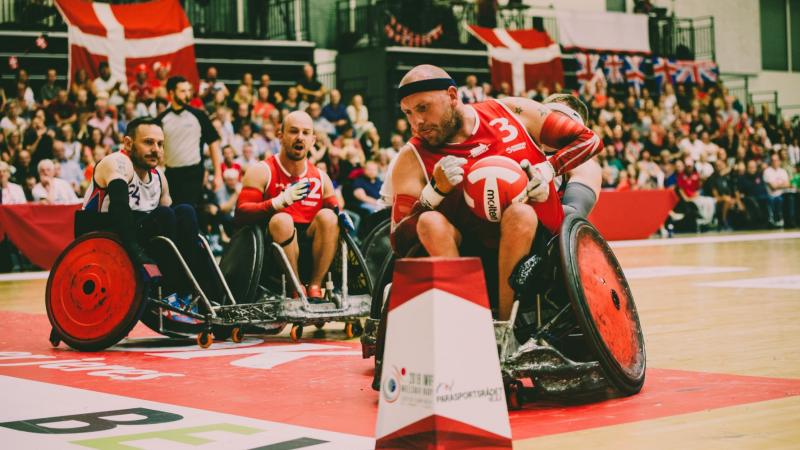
point(553, 374)
point(353, 307)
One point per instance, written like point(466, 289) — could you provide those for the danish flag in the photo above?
point(664, 70)
point(633, 71)
point(522, 58)
point(613, 66)
point(128, 35)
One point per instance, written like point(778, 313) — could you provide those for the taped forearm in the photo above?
point(405, 215)
point(577, 143)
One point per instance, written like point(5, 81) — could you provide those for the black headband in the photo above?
point(433, 84)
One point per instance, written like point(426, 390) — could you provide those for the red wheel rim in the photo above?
point(609, 302)
point(93, 289)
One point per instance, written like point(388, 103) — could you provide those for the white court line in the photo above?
point(774, 236)
point(635, 273)
point(22, 276)
point(781, 282)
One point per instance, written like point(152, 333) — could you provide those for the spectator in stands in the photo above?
point(359, 115)
point(290, 103)
point(335, 111)
point(10, 193)
point(247, 159)
point(246, 136)
point(102, 120)
point(211, 85)
point(243, 97)
point(401, 127)
point(650, 174)
point(13, 121)
point(229, 163)
point(689, 185)
point(718, 186)
point(80, 81)
point(367, 188)
point(72, 148)
point(62, 111)
point(780, 193)
point(227, 196)
point(52, 190)
point(320, 122)
point(107, 82)
point(272, 143)
point(142, 89)
point(471, 92)
point(754, 194)
point(309, 88)
point(265, 80)
point(23, 169)
point(69, 170)
point(262, 107)
point(49, 89)
point(38, 139)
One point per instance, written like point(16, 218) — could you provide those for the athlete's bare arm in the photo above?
point(112, 167)
point(575, 143)
point(408, 180)
point(166, 199)
point(256, 176)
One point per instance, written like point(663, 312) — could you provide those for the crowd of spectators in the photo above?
point(732, 166)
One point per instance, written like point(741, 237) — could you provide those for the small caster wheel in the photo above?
point(55, 339)
point(358, 329)
point(349, 330)
point(296, 333)
point(237, 335)
point(514, 395)
point(319, 325)
point(205, 339)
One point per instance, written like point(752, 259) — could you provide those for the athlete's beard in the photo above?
point(449, 126)
point(294, 156)
point(139, 162)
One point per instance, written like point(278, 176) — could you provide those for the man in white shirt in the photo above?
point(52, 190)
point(780, 193)
point(111, 85)
point(10, 193)
point(710, 149)
point(471, 92)
point(691, 146)
point(70, 171)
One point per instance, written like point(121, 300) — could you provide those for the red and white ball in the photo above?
point(492, 184)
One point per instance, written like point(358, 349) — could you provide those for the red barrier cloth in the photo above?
point(40, 232)
point(629, 215)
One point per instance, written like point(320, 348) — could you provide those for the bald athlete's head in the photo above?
point(297, 135)
point(433, 115)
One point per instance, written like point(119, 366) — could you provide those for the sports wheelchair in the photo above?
point(263, 281)
point(573, 314)
point(96, 292)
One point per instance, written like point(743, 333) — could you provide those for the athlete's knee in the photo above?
point(519, 219)
point(281, 226)
point(433, 225)
point(165, 219)
point(326, 219)
point(186, 219)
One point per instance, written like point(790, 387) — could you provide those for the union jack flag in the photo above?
point(633, 72)
point(708, 71)
point(587, 67)
point(613, 67)
point(664, 71)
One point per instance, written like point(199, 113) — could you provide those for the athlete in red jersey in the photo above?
point(450, 136)
point(295, 200)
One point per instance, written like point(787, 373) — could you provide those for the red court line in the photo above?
point(333, 393)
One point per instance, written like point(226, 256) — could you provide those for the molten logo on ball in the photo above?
point(492, 184)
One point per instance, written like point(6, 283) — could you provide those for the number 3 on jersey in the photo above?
point(510, 130)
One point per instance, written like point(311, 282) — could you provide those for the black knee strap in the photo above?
point(288, 241)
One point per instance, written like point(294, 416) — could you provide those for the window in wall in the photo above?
point(615, 5)
point(794, 43)
point(774, 37)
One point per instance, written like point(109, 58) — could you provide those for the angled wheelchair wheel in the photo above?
point(95, 292)
point(603, 304)
point(375, 246)
point(242, 263)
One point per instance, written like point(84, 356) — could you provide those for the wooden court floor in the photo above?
point(730, 307)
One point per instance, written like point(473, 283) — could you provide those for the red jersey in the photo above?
point(302, 211)
point(497, 131)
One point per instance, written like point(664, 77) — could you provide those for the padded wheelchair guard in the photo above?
point(95, 293)
point(603, 305)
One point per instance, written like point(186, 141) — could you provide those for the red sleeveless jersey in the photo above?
point(497, 131)
point(302, 211)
